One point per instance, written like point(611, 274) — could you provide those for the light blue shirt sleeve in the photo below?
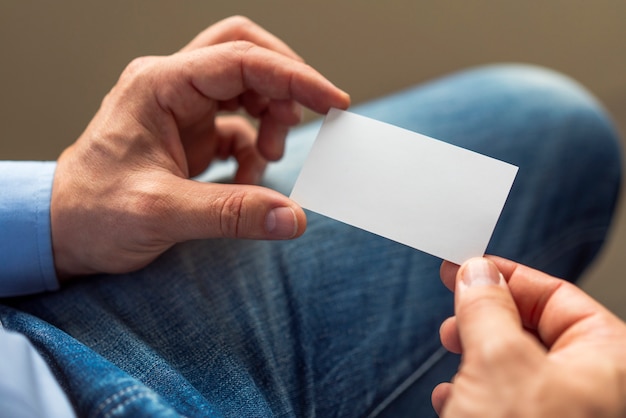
point(27, 387)
point(26, 263)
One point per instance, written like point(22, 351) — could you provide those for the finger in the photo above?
point(440, 395)
point(276, 117)
point(237, 138)
point(449, 335)
point(288, 112)
point(272, 137)
point(225, 71)
point(556, 309)
point(193, 210)
point(239, 28)
point(254, 103)
point(198, 150)
point(448, 272)
point(485, 310)
point(230, 105)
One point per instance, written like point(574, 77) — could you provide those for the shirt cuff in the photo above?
point(26, 261)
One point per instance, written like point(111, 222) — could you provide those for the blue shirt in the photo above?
point(26, 263)
point(27, 386)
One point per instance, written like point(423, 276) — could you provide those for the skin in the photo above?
point(122, 193)
point(532, 345)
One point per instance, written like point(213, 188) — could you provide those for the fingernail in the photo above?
point(480, 272)
point(281, 223)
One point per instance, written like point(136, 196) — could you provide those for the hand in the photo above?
point(537, 347)
point(122, 194)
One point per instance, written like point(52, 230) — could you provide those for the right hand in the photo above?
point(532, 346)
point(122, 194)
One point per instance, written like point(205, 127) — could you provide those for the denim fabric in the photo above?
point(339, 322)
point(27, 387)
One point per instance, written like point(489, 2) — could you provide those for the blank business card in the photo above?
point(410, 188)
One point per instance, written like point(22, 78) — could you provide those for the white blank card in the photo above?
point(419, 191)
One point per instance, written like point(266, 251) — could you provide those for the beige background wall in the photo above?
point(59, 58)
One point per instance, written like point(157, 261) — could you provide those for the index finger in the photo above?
point(240, 28)
point(224, 71)
point(558, 310)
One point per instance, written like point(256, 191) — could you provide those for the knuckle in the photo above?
point(231, 214)
point(241, 46)
point(487, 302)
point(140, 70)
point(240, 23)
point(500, 350)
point(142, 78)
point(137, 66)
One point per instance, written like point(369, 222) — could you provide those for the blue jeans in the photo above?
point(339, 322)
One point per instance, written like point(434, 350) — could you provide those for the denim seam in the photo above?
point(104, 404)
point(408, 382)
point(120, 406)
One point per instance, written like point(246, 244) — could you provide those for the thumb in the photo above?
point(484, 306)
point(211, 210)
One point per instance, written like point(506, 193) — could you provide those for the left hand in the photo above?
point(122, 193)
